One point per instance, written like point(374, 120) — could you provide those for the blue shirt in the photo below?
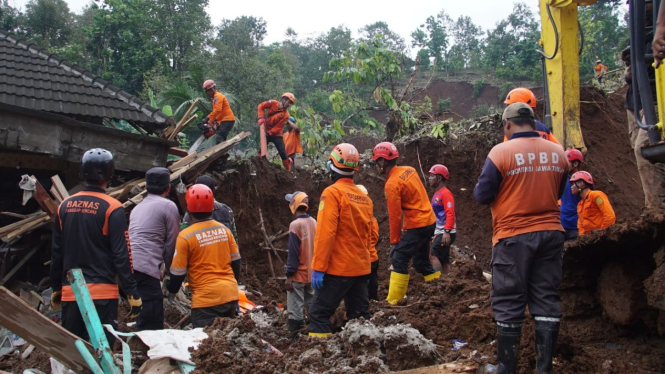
point(569, 208)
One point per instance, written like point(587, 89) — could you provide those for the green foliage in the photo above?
point(603, 25)
point(440, 130)
point(434, 36)
point(478, 86)
point(380, 30)
point(425, 107)
point(483, 110)
point(49, 22)
point(503, 91)
point(443, 104)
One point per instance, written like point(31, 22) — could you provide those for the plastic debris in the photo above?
point(457, 344)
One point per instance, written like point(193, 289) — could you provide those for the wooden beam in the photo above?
point(44, 199)
point(40, 331)
point(57, 183)
point(179, 128)
point(15, 215)
point(11, 227)
point(43, 221)
point(56, 195)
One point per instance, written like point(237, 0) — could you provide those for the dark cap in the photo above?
point(518, 110)
point(206, 180)
point(158, 177)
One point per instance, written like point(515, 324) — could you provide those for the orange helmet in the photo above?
point(440, 170)
point(289, 96)
point(582, 176)
point(199, 199)
point(344, 159)
point(209, 84)
point(385, 150)
point(521, 95)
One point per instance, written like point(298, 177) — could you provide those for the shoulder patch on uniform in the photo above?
point(321, 204)
point(450, 205)
point(599, 201)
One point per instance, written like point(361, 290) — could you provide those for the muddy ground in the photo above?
point(594, 339)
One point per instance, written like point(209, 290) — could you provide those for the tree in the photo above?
point(389, 38)
point(465, 51)
point(48, 22)
point(10, 17)
point(433, 35)
point(602, 26)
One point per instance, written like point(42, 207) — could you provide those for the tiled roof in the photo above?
point(32, 78)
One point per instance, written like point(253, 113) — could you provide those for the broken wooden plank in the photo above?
point(16, 225)
point(15, 215)
point(182, 162)
point(44, 199)
point(56, 195)
point(169, 131)
point(32, 298)
point(59, 186)
point(40, 331)
point(21, 263)
point(27, 352)
point(178, 152)
point(43, 221)
point(181, 127)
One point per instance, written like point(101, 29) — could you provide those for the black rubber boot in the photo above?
point(508, 345)
point(547, 334)
point(294, 327)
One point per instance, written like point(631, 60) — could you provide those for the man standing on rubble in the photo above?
point(443, 204)
point(153, 228)
point(274, 116)
point(208, 255)
point(221, 118)
point(341, 260)
point(522, 180)
point(405, 195)
point(299, 291)
point(90, 233)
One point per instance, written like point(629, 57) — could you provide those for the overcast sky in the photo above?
point(310, 18)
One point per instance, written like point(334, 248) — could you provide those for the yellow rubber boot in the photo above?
point(320, 334)
point(397, 289)
point(433, 276)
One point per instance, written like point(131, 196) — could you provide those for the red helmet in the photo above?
point(521, 95)
point(440, 170)
point(386, 150)
point(574, 155)
point(583, 176)
point(344, 156)
point(199, 199)
point(289, 96)
point(209, 84)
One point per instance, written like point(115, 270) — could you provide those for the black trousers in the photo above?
point(527, 270)
point(204, 317)
point(442, 252)
point(373, 284)
point(152, 313)
point(278, 141)
point(223, 130)
point(414, 244)
point(72, 320)
point(572, 234)
point(353, 290)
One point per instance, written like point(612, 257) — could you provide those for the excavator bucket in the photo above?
point(654, 153)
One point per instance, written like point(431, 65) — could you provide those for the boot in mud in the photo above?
point(508, 344)
point(547, 334)
point(294, 328)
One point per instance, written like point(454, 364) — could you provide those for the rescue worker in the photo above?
point(522, 180)
point(299, 291)
point(373, 285)
point(526, 96)
point(443, 205)
point(221, 212)
point(153, 228)
point(274, 116)
point(405, 194)
point(292, 142)
point(208, 255)
point(221, 118)
point(594, 209)
point(600, 71)
point(90, 233)
point(341, 260)
point(568, 200)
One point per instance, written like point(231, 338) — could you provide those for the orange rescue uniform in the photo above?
point(594, 212)
point(292, 142)
point(221, 110)
point(276, 118)
point(373, 256)
point(600, 68)
point(204, 251)
point(343, 231)
point(405, 193)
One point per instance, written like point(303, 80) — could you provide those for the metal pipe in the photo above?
point(87, 356)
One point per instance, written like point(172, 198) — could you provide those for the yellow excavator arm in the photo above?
point(560, 43)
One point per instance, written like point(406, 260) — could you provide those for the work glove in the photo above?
point(262, 121)
point(136, 305)
point(288, 284)
point(317, 279)
point(56, 300)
